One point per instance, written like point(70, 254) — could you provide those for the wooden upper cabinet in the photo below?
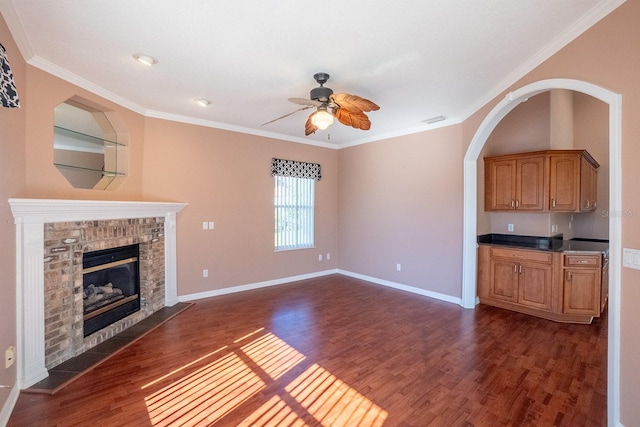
point(500, 178)
point(588, 185)
point(530, 183)
point(551, 180)
point(515, 183)
point(564, 181)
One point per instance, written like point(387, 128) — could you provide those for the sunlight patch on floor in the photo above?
point(209, 393)
point(273, 355)
point(332, 402)
point(205, 395)
point(275, 412)
point(182, 368)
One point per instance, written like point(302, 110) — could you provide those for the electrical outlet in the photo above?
point(398, 267)
point(509, 227)
point(205, 225)
point(320, 257)
point(9, 356)
point(328, 256)
point(205, 273)
point(211, 225)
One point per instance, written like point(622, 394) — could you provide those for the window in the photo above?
point(294, 200)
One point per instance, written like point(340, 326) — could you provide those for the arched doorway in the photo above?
point(511, 100)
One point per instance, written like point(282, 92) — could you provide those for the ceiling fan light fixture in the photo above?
point(322, 119)
point(145, 59)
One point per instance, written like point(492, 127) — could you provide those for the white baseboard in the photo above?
point(7, 408)
point(406, 288)
point(248, 287)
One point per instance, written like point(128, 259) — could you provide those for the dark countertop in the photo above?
point(553, 244)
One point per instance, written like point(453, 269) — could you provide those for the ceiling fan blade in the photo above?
point(287, 115)
point(355, 119)
point(304, 101)
point(353, 102)
point(309, 127)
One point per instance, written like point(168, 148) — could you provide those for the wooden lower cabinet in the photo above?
point(534, 286)
point(552, 285)
point(582, 276)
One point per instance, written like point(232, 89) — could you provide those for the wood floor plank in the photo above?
point(337, 351)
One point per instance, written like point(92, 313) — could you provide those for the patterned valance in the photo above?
point(296, 169)
point(8, 91)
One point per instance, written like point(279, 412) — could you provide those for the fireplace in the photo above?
point(51, 238)
point(110, 286)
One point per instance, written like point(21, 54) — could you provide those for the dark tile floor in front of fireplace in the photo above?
point(71, 369)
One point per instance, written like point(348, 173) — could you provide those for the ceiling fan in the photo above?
point(348, 109)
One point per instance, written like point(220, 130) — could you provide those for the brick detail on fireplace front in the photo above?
point(64, 245)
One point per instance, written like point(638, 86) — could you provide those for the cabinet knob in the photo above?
point(553, 203)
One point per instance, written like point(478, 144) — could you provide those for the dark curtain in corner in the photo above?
point(8, 91)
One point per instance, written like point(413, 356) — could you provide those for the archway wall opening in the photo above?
point(471, 209)
point(601, 62)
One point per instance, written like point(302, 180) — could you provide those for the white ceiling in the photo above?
point(416, 59)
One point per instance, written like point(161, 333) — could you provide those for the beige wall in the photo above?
point(400, 202)
point(379, 204)
point(225, 178)
point(12, 181)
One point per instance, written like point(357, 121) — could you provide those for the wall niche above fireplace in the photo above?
point(89, 147)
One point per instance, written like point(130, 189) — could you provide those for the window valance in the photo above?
point(8, 91)
point(281, 167)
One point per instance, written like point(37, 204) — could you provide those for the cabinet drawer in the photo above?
point(521, 255)
point(590, 261)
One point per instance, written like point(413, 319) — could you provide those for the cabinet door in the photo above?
point(534, 286)
point(500, 184)
point(588, 186)
point(581, 294)
point(530, 184)
point(503, 280)
point(564, 180)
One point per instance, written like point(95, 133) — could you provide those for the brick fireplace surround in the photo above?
point(51, 236)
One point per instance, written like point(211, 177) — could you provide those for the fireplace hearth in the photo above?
point(110, 286)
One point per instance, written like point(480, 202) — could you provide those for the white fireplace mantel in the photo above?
point(30, 216)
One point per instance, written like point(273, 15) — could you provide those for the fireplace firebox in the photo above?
point(111, 286)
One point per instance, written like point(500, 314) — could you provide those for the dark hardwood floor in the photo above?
point(336, 351)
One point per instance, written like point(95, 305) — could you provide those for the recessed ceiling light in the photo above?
point(145, 59)
point(434, 119)
point(203, 102)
